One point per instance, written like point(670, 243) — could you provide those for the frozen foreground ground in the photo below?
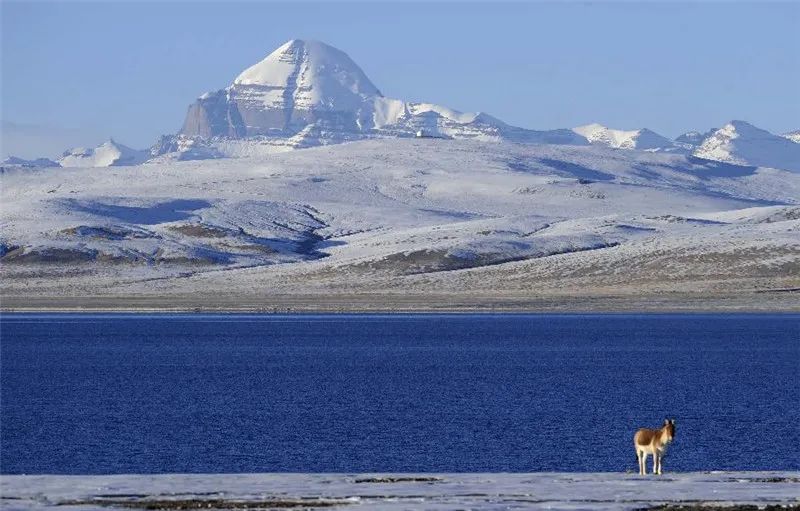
point(572, 491)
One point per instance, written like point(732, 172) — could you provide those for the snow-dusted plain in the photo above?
point(403, 216)
point(557, 491)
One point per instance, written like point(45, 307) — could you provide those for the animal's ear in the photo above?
point(666, 421)
point(672, 421)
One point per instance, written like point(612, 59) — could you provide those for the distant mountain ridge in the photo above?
point(13, 161)
point(307, 93)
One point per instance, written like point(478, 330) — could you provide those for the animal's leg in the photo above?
point(644, 462)
point(656, 463)
point(660, 461)
point(639, 459)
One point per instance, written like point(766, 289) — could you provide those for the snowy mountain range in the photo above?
point(306, 94)
point(423, 201)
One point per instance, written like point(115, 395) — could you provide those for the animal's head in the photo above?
point(669, 428)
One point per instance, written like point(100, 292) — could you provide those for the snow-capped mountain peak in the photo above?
point(298, 84)
point(322, 72)
point(741, 143)
point(736, 129)
point(642, 139)
point(107, 154)
point(307, 93)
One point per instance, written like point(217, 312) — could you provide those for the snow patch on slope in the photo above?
point(794, 136)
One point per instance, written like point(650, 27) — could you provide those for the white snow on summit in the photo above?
point(308, 74)
point(794, 136)
point(107, 154)
point(642, 139)
point(307, 93)
point(741, 143)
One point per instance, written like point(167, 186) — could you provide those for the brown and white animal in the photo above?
point(653, 441)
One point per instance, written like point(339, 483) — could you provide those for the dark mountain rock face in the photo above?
point(213, 115)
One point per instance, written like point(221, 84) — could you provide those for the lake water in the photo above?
point(94, 394)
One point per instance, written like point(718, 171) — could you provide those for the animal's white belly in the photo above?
point(648, 449)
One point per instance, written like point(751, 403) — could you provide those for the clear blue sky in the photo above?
point(76, 73)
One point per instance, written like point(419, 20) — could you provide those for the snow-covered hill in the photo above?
point(419, 215)
point(742, 143)
point(107, 154)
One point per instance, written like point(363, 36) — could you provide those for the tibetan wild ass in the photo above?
point(653, 441)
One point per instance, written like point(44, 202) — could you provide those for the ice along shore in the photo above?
point(560, 491)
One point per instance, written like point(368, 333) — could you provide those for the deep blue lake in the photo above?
point(95, 394)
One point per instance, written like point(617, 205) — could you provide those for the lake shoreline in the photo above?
point(776, 301)
point(729, 490)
